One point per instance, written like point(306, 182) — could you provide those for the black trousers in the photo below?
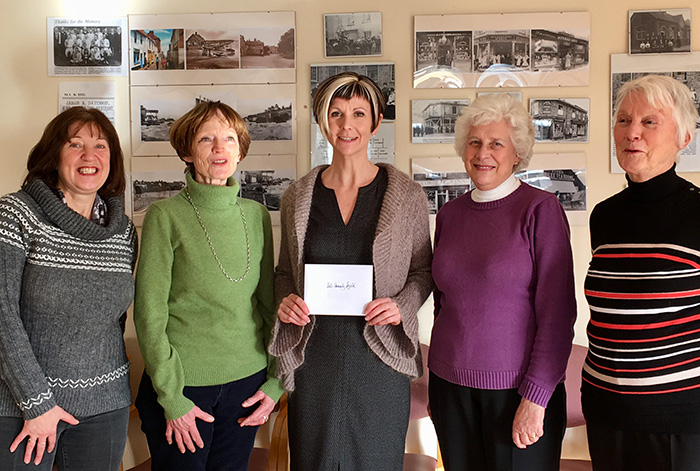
point(616, 450)
point(474, 428)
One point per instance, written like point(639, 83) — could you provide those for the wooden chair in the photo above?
point(574, 413)
point(419, 410)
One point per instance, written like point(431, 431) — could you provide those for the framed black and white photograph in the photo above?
point(433, 121)
point(659, 31)
point(381, 72)
point(161, 49)
point(560, 119)
point(150, 186)
point(554, 50)
point(264, 178)
point(268, 119)
point(85, 46)
point(442, 179)
point(507, 50)
point(682, 67)
point(353, 34)
point(155, 109)
point(213, 48)
point(267, 48)
point(444, 50)
point(563, 174)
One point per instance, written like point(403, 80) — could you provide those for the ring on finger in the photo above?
point(30, 440)
point(533, 437)
point(264, 418)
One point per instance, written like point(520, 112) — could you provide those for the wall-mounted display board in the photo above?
point(683, 67)
point(268, 110)
point(206, 48)
point(501, 50)
point(87, 46)
point(561, 120)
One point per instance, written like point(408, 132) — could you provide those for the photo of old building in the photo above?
point(558, 50)
point(657, 31)
point(444, 49)
point(511, 47)
point(212, 49)
point(560, 119)
point(433, 121)
point(569, 185)
point(353, 34)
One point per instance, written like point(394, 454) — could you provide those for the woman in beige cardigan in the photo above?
point(350, 375)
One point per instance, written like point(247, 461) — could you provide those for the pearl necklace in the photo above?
point(211, 246)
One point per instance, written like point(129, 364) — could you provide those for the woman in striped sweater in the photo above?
point(641, 388)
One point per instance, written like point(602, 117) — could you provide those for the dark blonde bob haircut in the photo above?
point(184, 130)
point(45, 156)
point(347, 85)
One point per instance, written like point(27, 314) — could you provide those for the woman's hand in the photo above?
point(382, 311)
point(40, 433)
point(293, 310)
point(185, 430)
point(528, 425)
point(260, 415)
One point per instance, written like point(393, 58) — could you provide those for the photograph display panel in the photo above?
point(268, 110)
point(153, 179)
point(353, 34)
point(383, 74)
point(563, 174)
point(433, 121)
point(442, 179)
point(560, 119)
point(264, 178)
point(87, 46)
point(682, 67)
point(501, 50)
point(659, 31)
point(221, 48)
point(381, 148)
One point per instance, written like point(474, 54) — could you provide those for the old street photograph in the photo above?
point(267, 48)
point(212, 49)
point(441, 187)
point(265, 186)
point(433, 121)
point(560, 119)
point(160, 49)
point(659, 31)
point(267, 119)
point(353, 34)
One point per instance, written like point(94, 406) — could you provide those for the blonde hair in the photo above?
point(347, 85)
point(661, 91)
point(493, 108)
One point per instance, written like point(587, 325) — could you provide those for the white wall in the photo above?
point(29, 96)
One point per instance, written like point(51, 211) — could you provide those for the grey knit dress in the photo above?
point(349, 410)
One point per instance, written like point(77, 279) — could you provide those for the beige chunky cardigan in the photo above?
point(402, 258)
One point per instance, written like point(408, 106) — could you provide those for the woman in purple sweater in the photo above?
point(504, 303)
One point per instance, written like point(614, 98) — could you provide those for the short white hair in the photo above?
point(493, 108)
point(661, 91)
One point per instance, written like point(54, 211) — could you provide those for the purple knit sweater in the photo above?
point(504, 296)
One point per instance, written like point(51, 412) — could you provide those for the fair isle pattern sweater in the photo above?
point(66, 282)
point(643, 287)
point(401, 256)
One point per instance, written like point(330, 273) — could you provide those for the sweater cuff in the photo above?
point(37, 405)
point(176, 407)
point(534, 393)
point(273, 388)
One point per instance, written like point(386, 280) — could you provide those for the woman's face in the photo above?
point(215, 151)
point(350, 126)
point(490, 156)
point(645, 138)
point(83, 165)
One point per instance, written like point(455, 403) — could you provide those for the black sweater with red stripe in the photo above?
point(643, 288)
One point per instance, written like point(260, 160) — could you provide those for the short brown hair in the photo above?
point(347, 85)
point(182, 132)
point(45, 156)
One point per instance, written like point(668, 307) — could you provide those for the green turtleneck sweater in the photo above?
point(195, 327)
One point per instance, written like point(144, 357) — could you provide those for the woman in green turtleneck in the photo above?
point(204, 305)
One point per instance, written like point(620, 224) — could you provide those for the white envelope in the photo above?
point(341, 290)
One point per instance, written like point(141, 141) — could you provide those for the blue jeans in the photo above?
point(95, 444)
point(227, 445)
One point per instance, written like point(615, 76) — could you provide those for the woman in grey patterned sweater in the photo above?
point(67, 252)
